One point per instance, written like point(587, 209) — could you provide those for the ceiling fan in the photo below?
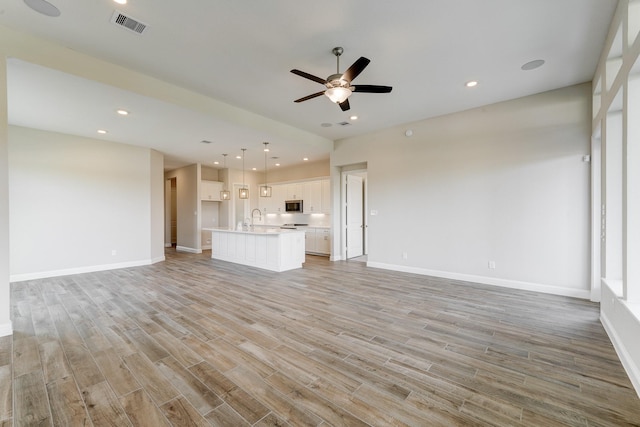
point(339, 85)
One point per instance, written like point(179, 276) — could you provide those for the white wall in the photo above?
point(156, 206)
point(73, 201)
point(503, 183)
point(5, 288)
point(187, 188)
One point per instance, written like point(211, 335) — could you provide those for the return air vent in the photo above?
point(127, 22)
point(344, 124)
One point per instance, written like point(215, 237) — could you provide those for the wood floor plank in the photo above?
point(6, 392)
point(66, 403)
point(203, 399)
point(283, 407)
point(146, 373)
point(116, 372)
point(26, 357)
point(224, 416)
point(31, 404)
point(146, 344)
point(54, 361)
point(177, 349)
point(142, 411)
point(103, 406)
point(181, 413)
point(196, 341)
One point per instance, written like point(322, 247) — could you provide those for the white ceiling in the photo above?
point(241, 52)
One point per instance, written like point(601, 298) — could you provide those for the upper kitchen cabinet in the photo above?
point(275, 203)
point(326, 195)
point(293, 191)
point(210, 190)
point(312, 197)
point(316, 196)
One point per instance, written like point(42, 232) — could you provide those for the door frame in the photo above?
point(343, 211)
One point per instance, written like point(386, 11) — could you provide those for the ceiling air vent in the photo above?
point(344, 124)
point(127, 22)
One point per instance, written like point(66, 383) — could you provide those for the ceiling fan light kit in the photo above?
point(338, 85)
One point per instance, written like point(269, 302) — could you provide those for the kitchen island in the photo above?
point(269, 248)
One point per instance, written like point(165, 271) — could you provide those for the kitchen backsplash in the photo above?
point(317, 220)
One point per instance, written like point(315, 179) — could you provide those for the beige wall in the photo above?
point(315, 169)
point(504, 183)
point(74, 201)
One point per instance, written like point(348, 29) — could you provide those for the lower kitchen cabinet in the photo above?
point(317, 241)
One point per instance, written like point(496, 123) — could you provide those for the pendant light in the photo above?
point(225, 194)
point(243, 193)
point(265, 190)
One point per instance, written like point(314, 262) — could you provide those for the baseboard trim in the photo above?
point(514, 284)
point(187, 249)
point(630, 366)
point(167, 245)
point(78, 270)
point(157, 259)
point(206, 247)
point(6, 329)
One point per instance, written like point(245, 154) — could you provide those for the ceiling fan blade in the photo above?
point(372, 89)
point(309, 76)
point(314, 95)
point(355, 69)
point(344, 105)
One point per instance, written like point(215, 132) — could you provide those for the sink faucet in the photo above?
point(253, 216)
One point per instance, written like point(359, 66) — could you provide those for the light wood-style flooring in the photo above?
point(195, 342)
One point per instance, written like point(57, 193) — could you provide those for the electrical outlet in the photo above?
point(114, 252)
point(404, 255)
point(491, 265)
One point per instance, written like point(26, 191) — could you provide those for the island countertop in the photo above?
point(257, 230)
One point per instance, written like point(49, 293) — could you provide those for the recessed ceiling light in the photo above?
point(471, 83)
point(254, 169)
point(120, 1)
point(277, 164)
point(216, 163)
point(43, 7)
point(102, 131)
point(305, 159)
point(122, 112)
point(532, 65)
point(354, 117)
point(238, 157)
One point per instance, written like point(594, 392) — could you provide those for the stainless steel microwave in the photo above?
point(293, 206)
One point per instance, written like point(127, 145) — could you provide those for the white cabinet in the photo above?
point(275, 203)
point(317, 241)
point(325, 191)
point(312, 197)
point(293, 191)
point(310, 240)
point(315, 196)
point(323, 241)
point(210, 190)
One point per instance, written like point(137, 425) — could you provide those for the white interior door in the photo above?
point(355, 229)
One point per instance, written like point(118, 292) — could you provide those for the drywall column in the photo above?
point(612, 153)
point(631, 194)
point(5, 290)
